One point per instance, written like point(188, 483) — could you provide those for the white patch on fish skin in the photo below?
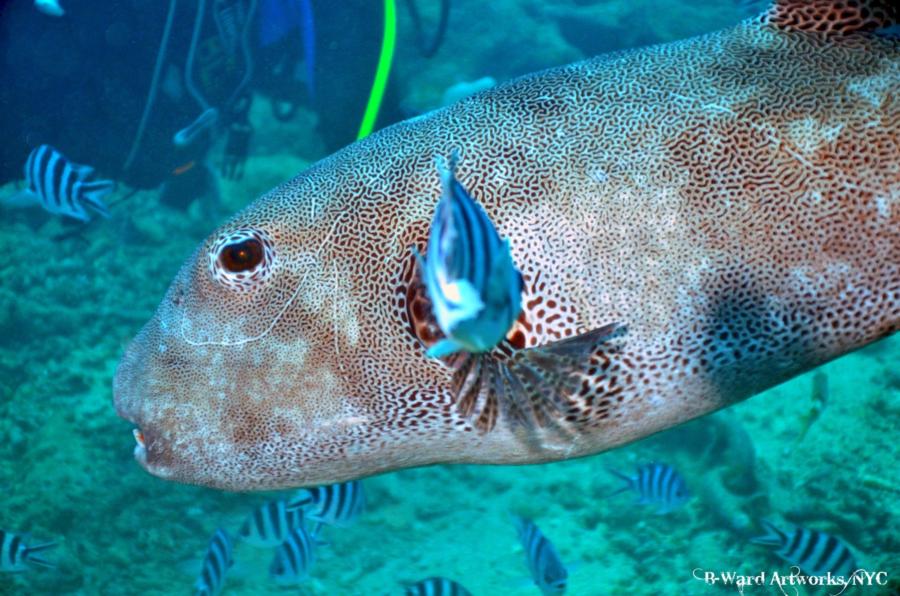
point(809, 134)
point(598, 175)
point(339, 423)
point(875, 89)
point(344, 317)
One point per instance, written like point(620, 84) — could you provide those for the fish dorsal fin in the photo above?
point(834, 17)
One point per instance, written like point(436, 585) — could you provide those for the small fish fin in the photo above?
point(772, 537)
point(444, 347)
point(82, 171)
point(92, 194)
point(41, 562)
point(532, 388)
point(31, 559)
point(833, 18)
point(299, 500)
point(40, 547)
point(520, 523)
point(23, 198)
point(629, 483)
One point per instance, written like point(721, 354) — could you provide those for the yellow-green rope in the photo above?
point(388, 41)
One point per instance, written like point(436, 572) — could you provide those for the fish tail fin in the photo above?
point(317, 528)
point(628, 480)
point(29, 555)
point(94, 192)
point(520, 523)
point(532, 388)
point(772, 537)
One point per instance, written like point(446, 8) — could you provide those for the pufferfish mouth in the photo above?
point(147, 448)
point(150, 454)
point(140, 450)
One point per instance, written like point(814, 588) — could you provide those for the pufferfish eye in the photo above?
point(241, 256)
point(242, 260)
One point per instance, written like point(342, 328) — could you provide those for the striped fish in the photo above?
point(270, 524)
point(61, 186)
point(217, 561)
point(333, 504)
point(656, 484)
point(294, 557)
point(436, 586)
point(814, 552)
point(547, 569)
point(16, 556)
point(474, 286)
point(475, 291)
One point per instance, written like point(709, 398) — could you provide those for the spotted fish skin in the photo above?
point(733, 199)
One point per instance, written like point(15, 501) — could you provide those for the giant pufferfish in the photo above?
point(732, 199)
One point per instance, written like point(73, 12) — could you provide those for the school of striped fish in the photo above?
point(281, 525)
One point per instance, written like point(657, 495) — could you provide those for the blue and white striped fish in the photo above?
point(547, 569)
point(475, 291)
point(270, 524)
point(61, 186)
point(334, 504)
point(474, 286)
point(814, 552)
point(436, 586)
point(656, 484)
point(294, 557)
point(217, 561)
point(16, 556)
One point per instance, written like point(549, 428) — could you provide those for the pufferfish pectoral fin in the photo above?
point(529, 389)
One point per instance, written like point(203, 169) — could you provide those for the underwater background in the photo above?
point(73, 295)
